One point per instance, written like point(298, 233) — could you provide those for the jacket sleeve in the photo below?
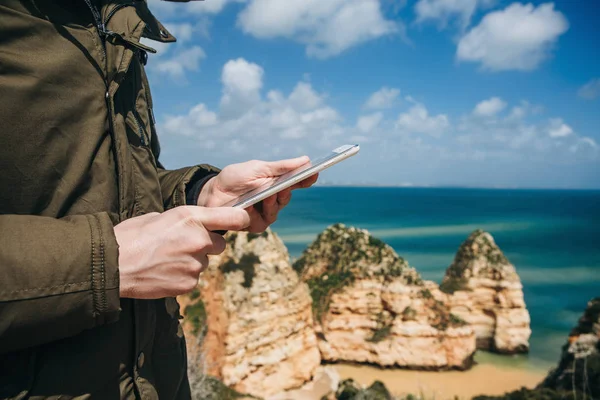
point(175, 184)
point(58, 277)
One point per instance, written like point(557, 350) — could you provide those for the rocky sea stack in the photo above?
point(577, 376)
point(262, 327)
point(370, 306)
point(485, 290)
point(250, 322)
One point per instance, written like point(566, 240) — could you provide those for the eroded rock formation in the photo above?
point(486, 291)
point(370, 306)
point(579, 367)
point(254, 316)
point(577, 376)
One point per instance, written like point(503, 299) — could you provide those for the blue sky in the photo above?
point(437, 92)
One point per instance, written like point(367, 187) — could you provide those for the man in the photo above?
point(96, 238)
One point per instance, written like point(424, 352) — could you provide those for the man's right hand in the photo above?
point(162, 255)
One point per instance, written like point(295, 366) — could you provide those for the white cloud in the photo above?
point(418, 120)
point(183, 32)
point(283, 124)
point(490, 107)
point(444, 10)
point(519, 37)
point(248, 122)
point(304, 97)
point(367, 123)
point(242, 81)
point(590, 90)
point(559, 129)
point(198, 117)
point(327, 28)
point(383, 98)
point(583, 143)
point(523, 110)
point(523, 136)
point(176, 66)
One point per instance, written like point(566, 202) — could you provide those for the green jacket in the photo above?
point(78, 154)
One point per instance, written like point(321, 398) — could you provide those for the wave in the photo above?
point(567, 275)
point(418, 231)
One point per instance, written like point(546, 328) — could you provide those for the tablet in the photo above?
point(291, 178)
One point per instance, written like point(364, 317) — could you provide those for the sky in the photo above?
point(475, 93)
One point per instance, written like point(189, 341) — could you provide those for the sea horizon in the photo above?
point(421, 186)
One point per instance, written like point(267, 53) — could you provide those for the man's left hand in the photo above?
point(237, 179)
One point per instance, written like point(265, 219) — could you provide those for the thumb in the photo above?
point(276, 168)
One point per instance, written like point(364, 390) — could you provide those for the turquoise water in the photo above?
point(552, 237)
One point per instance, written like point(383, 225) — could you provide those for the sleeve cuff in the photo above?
point(194, 187)
point(105, 270)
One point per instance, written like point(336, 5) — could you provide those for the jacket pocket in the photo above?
point(140, 137)
point(17, 372)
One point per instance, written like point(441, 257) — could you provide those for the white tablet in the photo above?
point(291, 178)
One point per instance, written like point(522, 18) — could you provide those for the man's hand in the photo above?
point(237, 179)
point(161, 255)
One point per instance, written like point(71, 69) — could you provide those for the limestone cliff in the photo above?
point(485, 291)
point(258, 337)
point(579, 367)
point(577, 376)
point(370, 306)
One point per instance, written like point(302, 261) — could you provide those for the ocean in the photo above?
point(551, 236)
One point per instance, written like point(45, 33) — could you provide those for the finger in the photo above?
point(284, 197)
point(258, 223)
point(220, 218)
point(217, 245)
point(276, 168)
point(202, 259)
point(308, 182)
point(270, 209)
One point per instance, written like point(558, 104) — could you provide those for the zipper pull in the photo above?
point(143, 56)
point(116, 36)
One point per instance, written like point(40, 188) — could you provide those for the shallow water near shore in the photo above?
point(551, 236)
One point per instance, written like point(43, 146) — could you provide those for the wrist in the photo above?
point(206, 193)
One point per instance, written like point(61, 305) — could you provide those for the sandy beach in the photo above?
point(481, 379)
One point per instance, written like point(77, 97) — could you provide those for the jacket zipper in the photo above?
point(114, 10)
point(99, 24)
point(138, 123)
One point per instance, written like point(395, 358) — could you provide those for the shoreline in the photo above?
point(486, 377)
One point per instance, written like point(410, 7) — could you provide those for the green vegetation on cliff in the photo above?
point(350, 390)
point(442, 317)
point(211, 388)
point(339, 248)
point(450, 286)
point(252, 236)
point(323, 287)
point(339, 256)
point(196, 314)
point(478, 257)
point(342, 255)
point(246, 265)
point(385, 322)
